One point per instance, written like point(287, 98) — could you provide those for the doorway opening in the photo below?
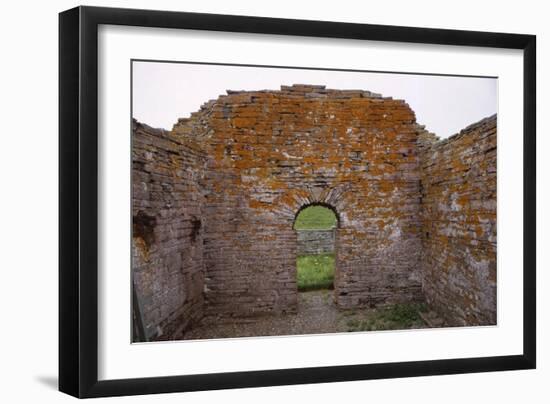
point(315, 226)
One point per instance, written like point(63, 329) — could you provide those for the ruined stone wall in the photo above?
point(459, 214)
point(215, 199)
point(167, 247)
point(312, 242)
point(273, 152)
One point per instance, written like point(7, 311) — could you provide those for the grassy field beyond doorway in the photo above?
point(315, 218)
point(315, 272)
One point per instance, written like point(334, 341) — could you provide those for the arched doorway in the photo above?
point(316, 226)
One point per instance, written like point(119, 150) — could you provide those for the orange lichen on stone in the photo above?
point(417, 216)
point(459, 205)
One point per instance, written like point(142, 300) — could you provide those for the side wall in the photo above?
point(459, 213)
point(167, 242)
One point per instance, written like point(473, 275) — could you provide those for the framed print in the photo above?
point(251, 201)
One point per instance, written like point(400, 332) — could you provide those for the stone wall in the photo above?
point(167, 242)
point(215, 199)
point(311, 242)
point(459, 187)
point(273, 152)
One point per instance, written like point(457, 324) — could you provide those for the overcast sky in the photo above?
point(164, 92)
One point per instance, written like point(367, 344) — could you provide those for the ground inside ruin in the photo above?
point(316, 314)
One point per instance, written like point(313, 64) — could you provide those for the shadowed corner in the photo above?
point(51, 382)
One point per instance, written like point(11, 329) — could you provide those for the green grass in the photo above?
point(315, 217)
point(394, 317)
point(315, 271)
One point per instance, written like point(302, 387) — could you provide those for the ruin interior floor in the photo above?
point(316, 314)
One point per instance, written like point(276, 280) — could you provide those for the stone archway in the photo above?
point(316, 226)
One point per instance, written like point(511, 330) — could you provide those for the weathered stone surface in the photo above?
point(273, 152)
point(459, 186)
point(214, 202)
point(167, 245)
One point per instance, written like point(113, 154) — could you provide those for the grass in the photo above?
point(315, 272)
point(394, 317)
point(315, 218)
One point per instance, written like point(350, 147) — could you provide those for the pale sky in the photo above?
point(164, 92)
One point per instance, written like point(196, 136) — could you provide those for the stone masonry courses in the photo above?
point(214, 201)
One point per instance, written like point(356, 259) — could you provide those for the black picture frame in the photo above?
point(78, 201)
